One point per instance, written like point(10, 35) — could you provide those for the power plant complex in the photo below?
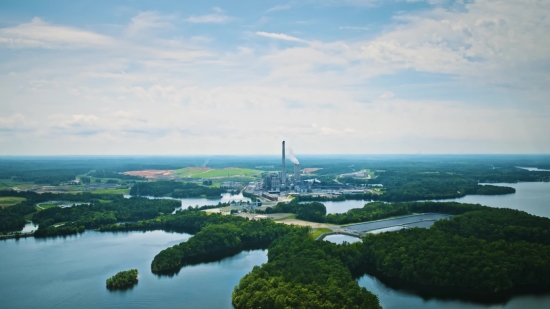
point(278, 182)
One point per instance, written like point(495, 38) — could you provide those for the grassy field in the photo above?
point(287, 217)
point(45, 206)
point(317, 232)
point(8, 184)
point(8, 201)
point(201, 172)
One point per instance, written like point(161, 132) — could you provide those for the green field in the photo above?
point(8, 201)
point(6, 184)
point(287, 217)
point(46, 206)
point(317, 232)
point(201, 172)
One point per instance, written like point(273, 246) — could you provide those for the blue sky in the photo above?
point(219, 77)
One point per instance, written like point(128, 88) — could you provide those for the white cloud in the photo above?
point(279, 8)
point(39, 34)
point(148, 20)
point(280, 36)
point(387, 95)
point(353, 28)
point(489, 39)
point(218, 17)
point(175, 96)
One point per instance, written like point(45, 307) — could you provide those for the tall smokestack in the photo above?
point(297, 176)
point(283, 176)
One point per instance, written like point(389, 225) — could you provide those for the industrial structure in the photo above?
point(278, 182)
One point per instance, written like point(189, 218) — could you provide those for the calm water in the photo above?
point(186, 202)
point(533, 169)
point(339, 239)
point(71, 272)
point(531, 197)
point(343, 206)
point(397, 299)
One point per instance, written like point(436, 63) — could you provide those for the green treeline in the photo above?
point(252, 197)
point(369, 212)
point(409, 186)
point(305, 211)
point(303, 273)
point(12, 218)
point(97, 214)
point(123, 279)
point(416, 191)
point(235, 234)
point(317, 212)
point(481, 248)
point(174, 189)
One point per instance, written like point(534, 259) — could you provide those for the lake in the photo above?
point(343, 206)
point(531, 197)
point(339, 239)
point(71, 272)
point(186, 202)
point(400, 298)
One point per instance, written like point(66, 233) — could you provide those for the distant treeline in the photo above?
point(97, 214)
point(175, 189)
point(12, 218)
point(415, 192)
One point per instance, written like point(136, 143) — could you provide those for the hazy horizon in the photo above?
point(356, 77)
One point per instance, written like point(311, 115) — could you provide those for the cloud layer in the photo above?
point(462, 78)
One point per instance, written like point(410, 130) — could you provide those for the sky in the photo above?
point(238, 77)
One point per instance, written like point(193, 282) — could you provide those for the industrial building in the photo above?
point(279, 182)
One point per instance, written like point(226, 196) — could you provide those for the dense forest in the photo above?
point(97, 214)
point(12, 218)
point(233, 235)
point(303, 273)
point(175, 189)
point(305, 211)
point(486, 249)
point(123, 279)
point(480, 250)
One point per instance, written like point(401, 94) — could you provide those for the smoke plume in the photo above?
point(291, 156)
point(206, 162)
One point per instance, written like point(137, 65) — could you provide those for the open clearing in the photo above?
point(205, 172)
point(149, 174)
point(8, 201)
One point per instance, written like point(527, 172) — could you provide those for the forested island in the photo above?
point(123, 279)
point(175, 189)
